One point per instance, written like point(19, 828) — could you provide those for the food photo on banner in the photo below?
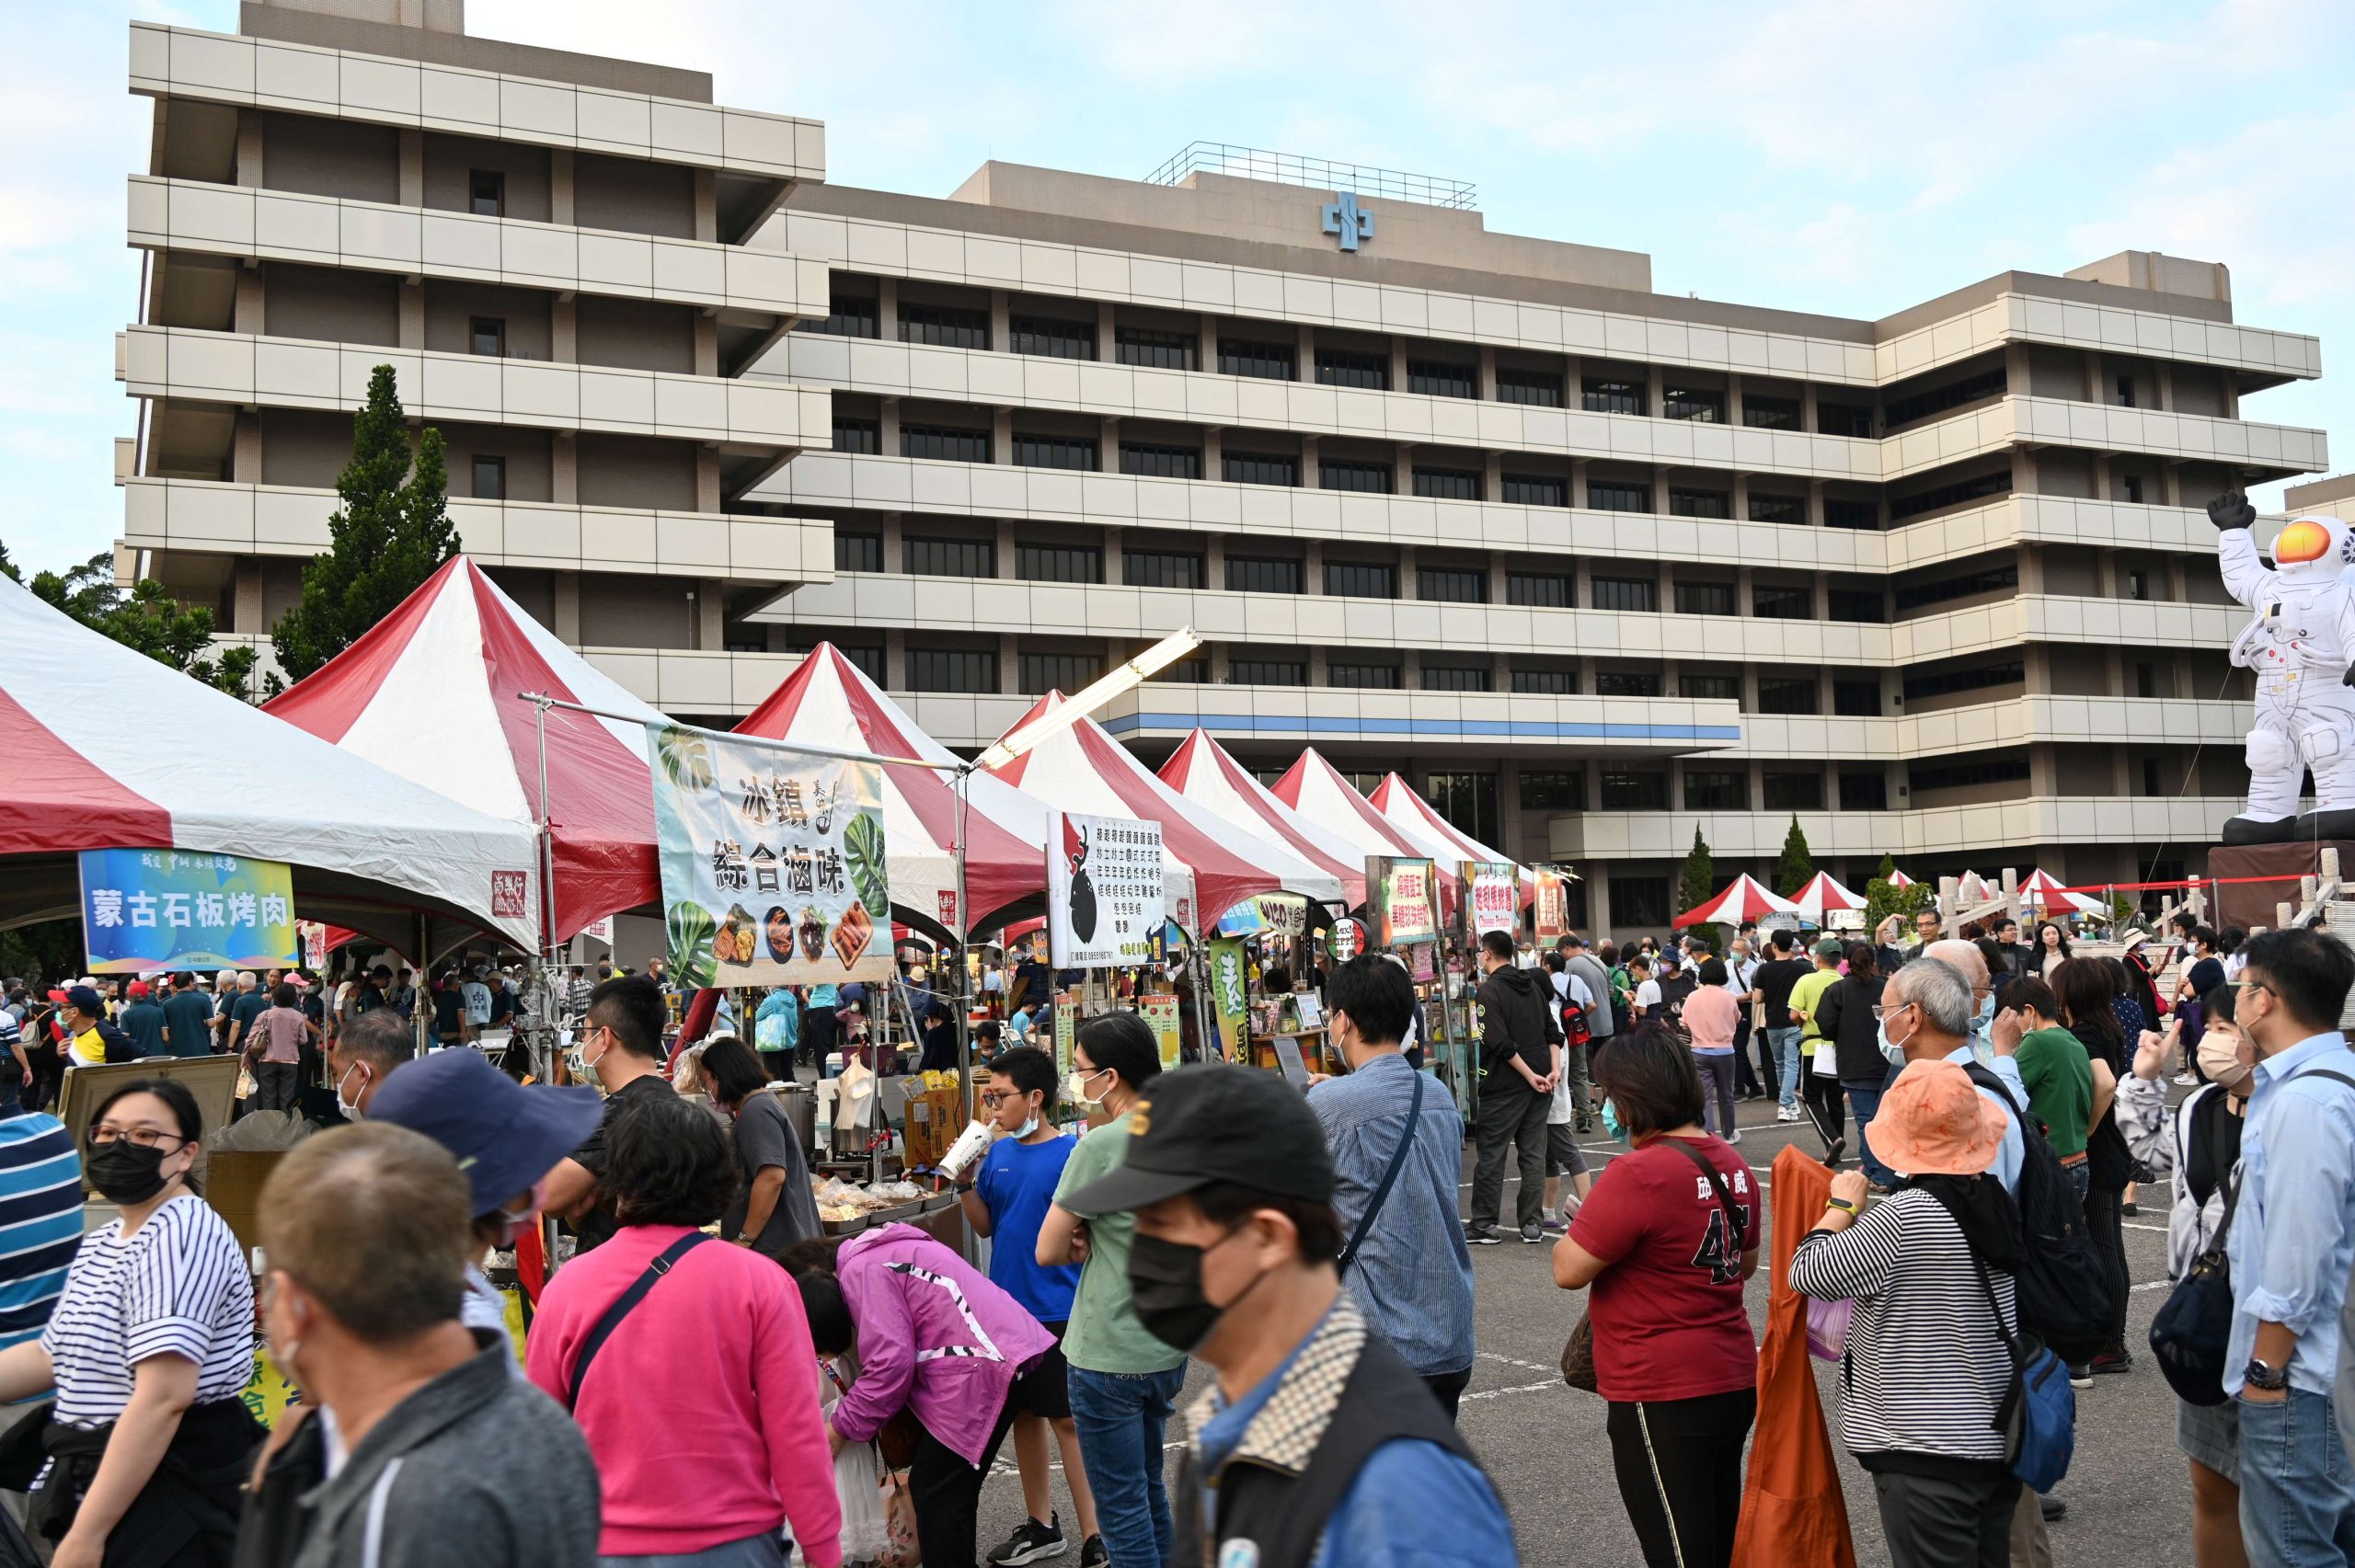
point(149, 910)
point(773, 862)
point(1104, 896)
point(1550, 914)
point(1492, 896)
point(1399, 902)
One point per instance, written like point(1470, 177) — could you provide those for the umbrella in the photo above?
point(2043, 891)
point(1746, 900)
point(92, 732)
point(1821, 897)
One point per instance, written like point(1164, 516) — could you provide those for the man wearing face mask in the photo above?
point(425, 1447)
point(362, 1055)
point(1397, 1148)
point(1315, 1445)
point(620, 1046)
point(505, 1138)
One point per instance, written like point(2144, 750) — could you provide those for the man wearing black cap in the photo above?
point(1316, 1444)
point(1521, 1059)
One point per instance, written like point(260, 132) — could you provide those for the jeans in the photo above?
point(1716, 1091)
point(1785, 1044)
point(1509, 1115)
point(1120, 1417)
point(762, 1551)
point(2297, 1506)
point(1864, 1098)
point(1678, 1464)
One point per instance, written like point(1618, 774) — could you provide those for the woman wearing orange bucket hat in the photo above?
point(1927, 1363)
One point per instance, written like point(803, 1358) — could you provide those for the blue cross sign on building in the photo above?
point(1344, 217)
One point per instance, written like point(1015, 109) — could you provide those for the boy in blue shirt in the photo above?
point(1007, 1199)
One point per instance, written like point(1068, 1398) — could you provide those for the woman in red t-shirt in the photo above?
point(1666, 1240)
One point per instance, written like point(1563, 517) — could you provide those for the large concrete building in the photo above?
point(1591, 565)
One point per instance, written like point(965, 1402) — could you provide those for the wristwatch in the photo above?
point(2257, 1375)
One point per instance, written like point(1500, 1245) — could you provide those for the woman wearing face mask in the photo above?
point(505, 1138)
point(773, 1206)
point(935, 1338)
point(1124, 1382)
point(149, 1349)
point(1666, 1239)
point(2050, 946)
point(2198, 1145)
point(708, 1377)
point(2085, 988)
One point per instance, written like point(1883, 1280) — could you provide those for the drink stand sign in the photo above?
point(1105, 890)
point(1492, 895)
point(1401, 902)
point(772, 864)
point(1347, 940)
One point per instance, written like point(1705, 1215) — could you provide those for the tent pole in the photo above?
point(962, 928)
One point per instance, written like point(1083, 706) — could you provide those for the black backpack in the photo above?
point(2064, 1296)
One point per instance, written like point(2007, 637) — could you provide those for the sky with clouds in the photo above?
point(1847, 158)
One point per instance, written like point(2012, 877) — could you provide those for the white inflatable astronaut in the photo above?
point(2302, 647)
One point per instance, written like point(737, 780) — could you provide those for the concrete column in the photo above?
point(412, 326)
point(1667, 595)
point(1755, 783)
point(1578, 481)
point(895, 659)
point(1741, 505)
point(1001, 322)
point(1319, 670)
point(2036, 670)
point(1733, 408)
point(2094, 391)
point(2122, 771)
point(1207, 356)
point(1668, 684)
point(2101, 476)
point(247, 596)
point(1809, 420)
point(1656, 391)
point(887, 311)
point(887, 440)
point(1009, 667)
point(250, 310)
point(412, 168)
point(1002, 436)
point(1304, 365)
point(564, 336)
point(1308, 471)
point(2170, 482)
point(560, 185)
point(249, 169)
point(1501, 672)
point(564, 471)
point(707, 344)
point(2106, 579)
point(1487, 384)
point(1214, 454)
point(706, 479)
point(1745, 580)
point(1814, 502)
point(1597, 874)
point(1214, 563)
point(708, 206)
point(2179, 586)
point(1222, 664)
point(1106, 333)
point(1005, 549)
point(1492, 476)
point(1312, 568)
point(1498, 591)
point(1108, 445)
point(1582, 595)
point(2166, 385)
point(245, 450)
point(1398, 364)
point(1402, 469)
point(895, 542)
point(2023, 470)
point(567, 608)
point(1573, 386)
point(2114, 673)
point(2031, 568)
point(1749, 686)
point(1114, 563)
point(1407, 579)
point(1821, 585)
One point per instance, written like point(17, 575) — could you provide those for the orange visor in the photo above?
point(2305, 540)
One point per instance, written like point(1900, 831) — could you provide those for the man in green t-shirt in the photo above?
point(1123, 1382)
point(2064, 1091)
point(1821, 1091)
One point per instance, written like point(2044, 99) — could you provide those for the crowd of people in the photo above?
point(2002, 1095)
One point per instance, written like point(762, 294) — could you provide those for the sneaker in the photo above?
point(2128, 1210)
point(1030, 1542)
point(1479, 1236)
point(1092, 1554)
point(1530, 1235)
point(2184, 1079)
point(2081, 1377)
point(1734, 1137)
point(2053, 1510)
point(1585, 1125)
point(1787, 1113)
point(1556, 1225)
point(2109, 1362)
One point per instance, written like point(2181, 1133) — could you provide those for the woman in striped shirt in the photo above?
point(1927, 1364)
point(149, 1349)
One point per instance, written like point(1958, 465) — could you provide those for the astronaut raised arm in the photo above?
point(2247, 578)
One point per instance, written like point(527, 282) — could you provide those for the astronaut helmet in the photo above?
point(2318, 547)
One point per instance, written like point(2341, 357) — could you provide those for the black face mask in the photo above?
point(123, 1172)
point(1166, 1286)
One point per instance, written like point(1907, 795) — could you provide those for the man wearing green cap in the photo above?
point(1316, 1446)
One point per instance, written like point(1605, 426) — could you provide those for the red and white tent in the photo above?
point(829, 701)
point(104, 747)
point(1420, 820)
point(1202, 771)
point(1821, 897)
point(2044, 892)
point(1315, 789)
point(1899, 879)
point(1747, 899)
point(432, 692)
point(1211, 862)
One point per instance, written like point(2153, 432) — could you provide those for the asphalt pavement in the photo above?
point(2128, 1490)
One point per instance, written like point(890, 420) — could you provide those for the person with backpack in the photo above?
point(1930, 1364)
point(2291, 1241)
point(2085, 987)
point(2198, 1146)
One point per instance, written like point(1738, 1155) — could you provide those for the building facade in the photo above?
point(1591, 566)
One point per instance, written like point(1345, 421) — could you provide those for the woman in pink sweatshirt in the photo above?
point(935, 1338)
point(707, 1374)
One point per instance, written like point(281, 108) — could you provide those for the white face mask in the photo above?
point(1075, 1087)
point(350, 1108)
point(1892, 1051)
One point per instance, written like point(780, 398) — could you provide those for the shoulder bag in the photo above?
point(1389, 1177)
point(625, 1304)
point(1578, 1353)
point(2038, 1414)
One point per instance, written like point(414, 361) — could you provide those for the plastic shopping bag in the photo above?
point(1827, 1327)
point(865, 1528)
point(899, 1514)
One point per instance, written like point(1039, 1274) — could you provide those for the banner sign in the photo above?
point(148, 909)
point(1491, 897)
point(1550, 915)
point(1401, 905)
point(1160, 1013)
point(772, 864)
point(1230, 988)
point(1346, 939)
point(1267, 914)
point(1066, 1030)
point(1104, 889)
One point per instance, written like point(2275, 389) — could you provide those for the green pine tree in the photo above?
point(146, 617)
point(391, 532)
point(1796, 868)
point(1695, 885)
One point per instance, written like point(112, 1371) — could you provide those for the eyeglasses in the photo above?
point(1894, 1008)
point(2251, 985)
point(142, 1137)
point(994, 1097)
